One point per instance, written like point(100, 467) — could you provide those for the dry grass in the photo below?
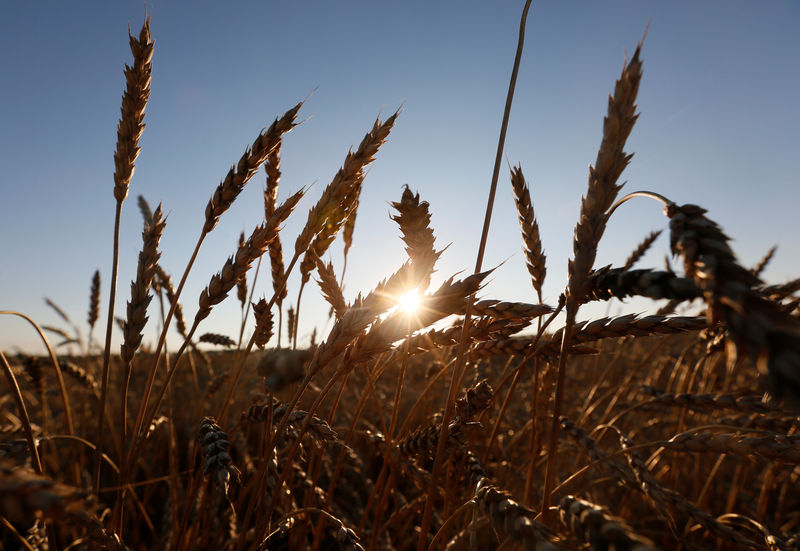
point(633, 432)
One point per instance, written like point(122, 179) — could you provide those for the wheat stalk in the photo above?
point(129, 130)
point(602, 191)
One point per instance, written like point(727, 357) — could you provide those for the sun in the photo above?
point(409, 302)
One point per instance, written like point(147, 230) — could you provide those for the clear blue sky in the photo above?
point(719, 126)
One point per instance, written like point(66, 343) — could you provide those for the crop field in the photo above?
point(428, 416)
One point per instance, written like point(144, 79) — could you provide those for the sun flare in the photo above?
point(409, 302)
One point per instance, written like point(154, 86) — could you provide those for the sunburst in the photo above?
point(409, 302)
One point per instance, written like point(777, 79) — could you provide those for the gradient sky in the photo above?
point(719, 126)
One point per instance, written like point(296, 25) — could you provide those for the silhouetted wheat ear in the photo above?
point(414, 219)
point(534, 255)
point(216, 338)
point(140, 289)
point(762, 264)
point(641, 249)
point(144, 208)
point(216, 456)
point(603, 176)
point(248, 165)
point(605, 283)
point(758, 327)
point(265, 333)
point(596, 526)
point(165, 281)
point(134, 100)
point(330, 210)
point(94, 300)
point(330, 288)
point(449, 298)
point(273, 169)
point(238, 265)
point(241, 285)
point(290, 322)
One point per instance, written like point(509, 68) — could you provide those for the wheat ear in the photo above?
point(94, 307)
point(534, 256)
point(337, 202)
point(129, 130)
point(137, 306)
point(414, 220)
point(641, 249)
point(273, 169)
point(602, 192)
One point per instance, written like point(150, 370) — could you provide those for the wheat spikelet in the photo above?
point(641, 249)
point(339, 192)
point(450, 297)
point(534, 256)
point(260, 310)
point(273, 169)
point(759, 268)
point(144, 208)
point(260, 413)
point(237, 266)
point(498, 309)
point(216, 456)
point(344, 192)
point(134, 101)
point(776, 447)
point(593, 524)
point(781, 291)
point(506, 514)
point(608, 282)
point(629, 324)
point(330, 288)
point(361, 313)
point(757, 326)
point(216, 338)
point(603, 176)
point(414, 220)
point(140, 289)
point(249, 163)
point(483, 329)
point(63, 315)
point(421, 443)
point(350, 224)
point(589, 331)
point(747, 404)
point(94, 300)
point(80, 374)
point(241, 285)
point(290, 322)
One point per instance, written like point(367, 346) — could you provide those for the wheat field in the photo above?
point(429, 416)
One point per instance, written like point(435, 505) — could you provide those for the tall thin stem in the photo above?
point(455, 381)
point(107, 351)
